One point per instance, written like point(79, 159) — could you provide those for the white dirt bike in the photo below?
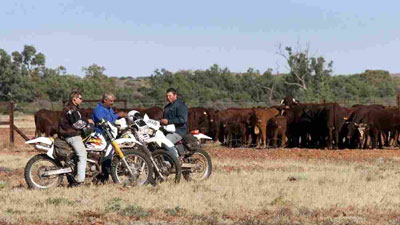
point(130, 166)
point(196, 163)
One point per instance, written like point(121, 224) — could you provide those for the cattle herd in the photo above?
point(291, 124)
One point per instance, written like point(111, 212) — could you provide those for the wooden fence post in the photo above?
point(398, 99)
point(11, 123)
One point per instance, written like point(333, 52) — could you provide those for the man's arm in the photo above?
point(98, 115)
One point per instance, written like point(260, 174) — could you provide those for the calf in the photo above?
point(260, 119)
point(277, 128)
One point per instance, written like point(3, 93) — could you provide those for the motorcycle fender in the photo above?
point(50, 153)
point(44, 140)
point(127, 141)
point(160, 139)
point(202, 136)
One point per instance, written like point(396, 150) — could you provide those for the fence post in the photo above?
point(398, 99)
point(12, 123)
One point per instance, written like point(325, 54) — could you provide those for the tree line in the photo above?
point(26, 79)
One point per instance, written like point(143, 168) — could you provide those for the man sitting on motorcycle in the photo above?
point(175, 112)
point(104, 111)
point(71, 125)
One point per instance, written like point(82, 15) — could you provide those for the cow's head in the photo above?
point(362, 128)
point(289, 101)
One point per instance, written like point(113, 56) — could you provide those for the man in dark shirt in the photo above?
point(175, 112)
point(70, 127)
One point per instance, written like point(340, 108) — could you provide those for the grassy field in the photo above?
point(247, 187)
point(242, 190)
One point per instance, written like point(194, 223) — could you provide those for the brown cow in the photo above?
point(46, 122)
point(260, 120)
point(201, 119)
point(277, 127)
point(231, 121)
point(153, 112)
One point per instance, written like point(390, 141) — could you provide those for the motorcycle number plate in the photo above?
point(153, 122)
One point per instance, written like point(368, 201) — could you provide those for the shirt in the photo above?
point(177, 113)
point(101, 112)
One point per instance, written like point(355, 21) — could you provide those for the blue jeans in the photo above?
point(174, 138)
point(77, 144)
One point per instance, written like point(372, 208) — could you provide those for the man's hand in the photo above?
point(90, 120)
point(122, 114)
point(164, 121)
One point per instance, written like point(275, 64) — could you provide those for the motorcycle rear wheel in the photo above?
point(34, 172)
point(203, 168)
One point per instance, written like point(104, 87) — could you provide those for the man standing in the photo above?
point(70, 126)
point(175, 112)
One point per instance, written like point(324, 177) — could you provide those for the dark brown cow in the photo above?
point(202, 119)
point(153, 112)
point(379, 121)
point(357, 125)
point(317, 125)
point(231, 121)
point(46, 122)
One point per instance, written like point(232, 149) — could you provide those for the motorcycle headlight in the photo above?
point(151, 131)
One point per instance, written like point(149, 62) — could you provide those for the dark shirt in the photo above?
point(71, 121)
point(102, 112)
point(177, 113)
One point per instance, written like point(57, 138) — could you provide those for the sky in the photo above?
point(134, 38)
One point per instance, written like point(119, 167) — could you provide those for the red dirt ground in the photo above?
point(353, 155)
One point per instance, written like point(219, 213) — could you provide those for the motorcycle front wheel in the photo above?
point(168, 165)
point(140, 165)
point(203, 167)
point(35, 171)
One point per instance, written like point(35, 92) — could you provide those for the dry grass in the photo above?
point(246, 187)
point(239, 192)
point(21, 120)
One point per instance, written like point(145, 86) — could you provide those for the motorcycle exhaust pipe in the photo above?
point(57, 172)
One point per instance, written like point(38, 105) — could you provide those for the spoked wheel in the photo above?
point(140, 166)
point(202, 169)
point(168, 165)
point(36, 172)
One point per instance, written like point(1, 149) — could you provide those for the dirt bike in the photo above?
point(196, 163)
point(166, 167)
point(130, 166)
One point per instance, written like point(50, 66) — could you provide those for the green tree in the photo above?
point(96, 82)
point(309, 77)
